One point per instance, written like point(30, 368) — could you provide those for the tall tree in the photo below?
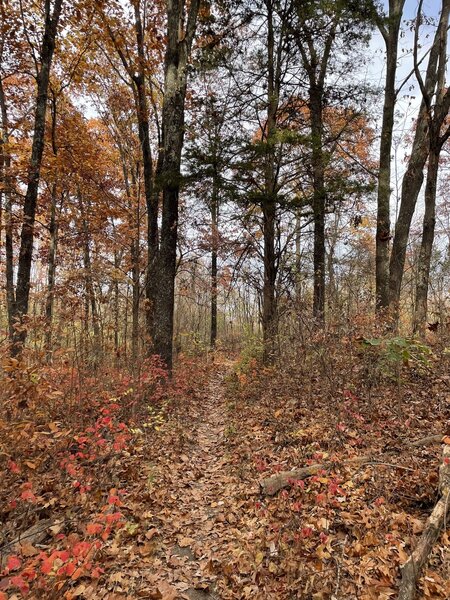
point(389, 28)
point(437, 109)
point(317, 27)
point(43, 66)
point(414, 175)
point(181, 30)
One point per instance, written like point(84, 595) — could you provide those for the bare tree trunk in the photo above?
point(151, 193)
point(319, 201)
point(89, 288)
point(383, 236)
point(426, 247)
point(179, 44)
point(30, 203)
point(214, 253)
point(269, 308)
point(138, 79)
point(298, 257)
point(51, 272)
point(116, 307)
point(413, 178)
point(5, 158)
point(437, 113)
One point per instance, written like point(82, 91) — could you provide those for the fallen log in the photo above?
point(273, 484)
point(36, 534)
point(412, 568)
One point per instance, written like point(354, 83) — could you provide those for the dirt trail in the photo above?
point(201, 493)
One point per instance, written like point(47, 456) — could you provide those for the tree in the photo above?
point(389, 28)
point(413, 178)
point(317, 28)
point(436, 114)
point(180, 37)
point(43, 67)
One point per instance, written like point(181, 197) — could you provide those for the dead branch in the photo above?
point(412, 568)
point(271, 485)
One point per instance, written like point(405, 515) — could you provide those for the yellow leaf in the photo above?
point(272, 568)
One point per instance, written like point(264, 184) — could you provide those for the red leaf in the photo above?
point(81, 549)
point(13, 467)
point(69, 568)
point(94, 528)
point(13, 563)
point(18, 582)
point(97, 572)
point(28, 495)
point(64, 555)
point(47, 566)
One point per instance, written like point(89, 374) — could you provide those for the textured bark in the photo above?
point(5, 193)
point(31, 196)
point(273, 484)
point(214, 255)
point(89, 287)
point(390, 33)
point(315, 58)
point(434, 526)
point(151, 194)
point(426, 246)
point(413, 178)
point(51, 273)
point(269, 201)
point(179, 42)
point(437, 113)
point(319, 199)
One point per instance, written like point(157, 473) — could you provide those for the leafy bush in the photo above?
point(394, 353)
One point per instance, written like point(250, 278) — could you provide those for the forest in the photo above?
point(224, 299)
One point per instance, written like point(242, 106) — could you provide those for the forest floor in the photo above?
point(174, 510)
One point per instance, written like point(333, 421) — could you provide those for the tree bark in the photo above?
point(437, 112)
point(412, 569)
point(426, 246)
point(383, 235)
point(269, 308)
point(5, 193)
point(413, 178)
point(151, 193)
point(179, 42)
point(319, 199)
point(51, 273)
point(214, 255)
point(31, 196)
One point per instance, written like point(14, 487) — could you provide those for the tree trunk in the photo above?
point(5, 158)
point(151, 194)
point(269, 308)
point(384, 174)
point(179, 44)
point(51, 272)
point(89, 289)
point(136, 299)
point(319, 201)
point(413, 178)
point(214, 253)
point(30, 203)
point(426, 247)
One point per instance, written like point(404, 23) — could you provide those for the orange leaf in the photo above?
point(94, 528)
